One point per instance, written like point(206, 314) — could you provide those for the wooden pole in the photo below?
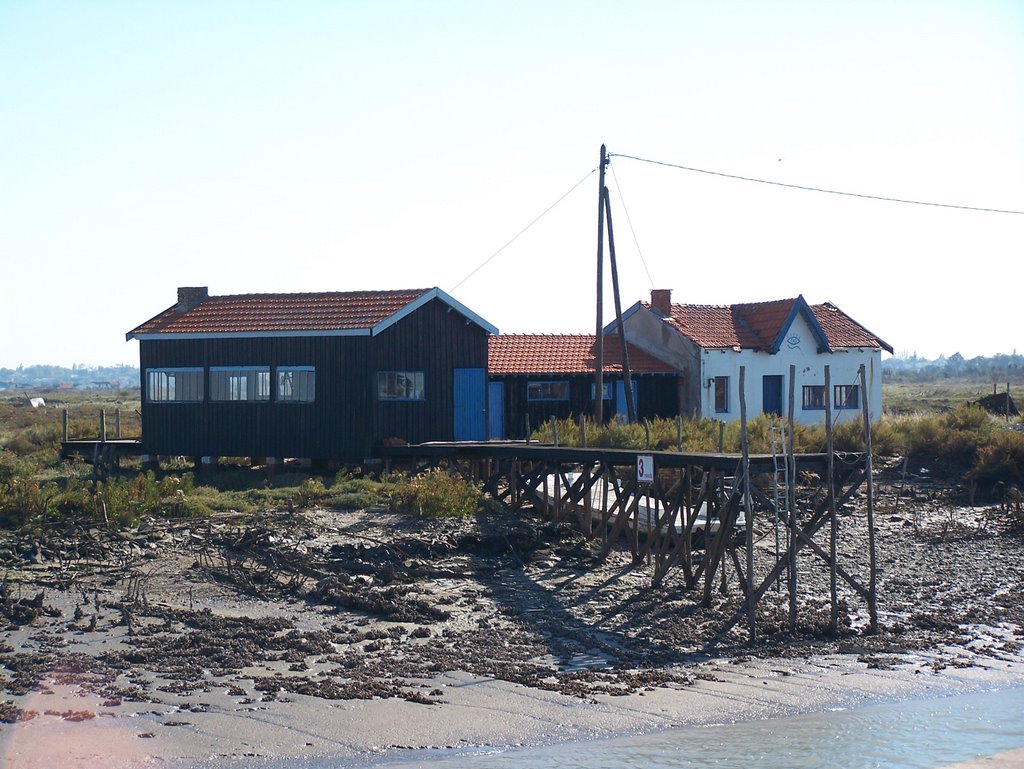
point(64, 425)
point(626, 377)
point(103, 426)
point(833, 623)
point(869, 467)
point(583, 430)
point(599, 343)
point(679, 433)
point(117, 424)
point(791, 500)
point(748, 512)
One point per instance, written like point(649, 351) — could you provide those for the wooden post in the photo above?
point(64, 425)
point(833, 623)
point(791, 500)
point(627, 384)
point(103, 426)
point(554, 431)
point(721, 436)
point(527, 427)
point(679, 433)
point(117, 424)
point(748, 512)
point(599, 343)
point(869, 467)
point(588, 507)
point(647, 434)
point(583, 430)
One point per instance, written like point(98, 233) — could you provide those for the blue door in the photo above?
point(496, 411)
point(470, 409)
point(621, 411)
point(771, 395)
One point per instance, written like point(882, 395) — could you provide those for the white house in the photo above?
point(709, 344)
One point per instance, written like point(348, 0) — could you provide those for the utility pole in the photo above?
point(599, 343)
point(627, 383)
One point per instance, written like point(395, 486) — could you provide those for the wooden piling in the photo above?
point(869, 467)
point(833, 523)
point(791, 501)
point(748, 511)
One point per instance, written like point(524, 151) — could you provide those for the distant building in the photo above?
point(709, 344)
point(534, 377)
point(319, 375)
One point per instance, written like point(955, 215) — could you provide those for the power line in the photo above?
point(816, 189)
point(518, 234)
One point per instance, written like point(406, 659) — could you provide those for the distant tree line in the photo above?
point(995, 368)
point(79, 375)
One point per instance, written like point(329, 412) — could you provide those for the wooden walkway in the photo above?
point(732, 500)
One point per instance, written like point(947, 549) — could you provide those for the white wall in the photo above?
point(800, 350)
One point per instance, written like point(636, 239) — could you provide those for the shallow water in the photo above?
point(920, 734)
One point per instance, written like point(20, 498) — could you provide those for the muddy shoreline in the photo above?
point(348, 633)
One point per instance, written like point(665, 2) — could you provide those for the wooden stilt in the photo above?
point(868, 469)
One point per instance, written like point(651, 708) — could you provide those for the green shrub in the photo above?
point(437, 494)
point(311, 491)
point(1002, 459)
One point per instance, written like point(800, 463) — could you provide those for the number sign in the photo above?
point(644, 468)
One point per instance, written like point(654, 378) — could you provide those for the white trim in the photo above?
point(427, 296)
point(249, 334)
point(415, 304)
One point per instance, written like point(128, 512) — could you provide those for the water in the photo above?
point(920, 734)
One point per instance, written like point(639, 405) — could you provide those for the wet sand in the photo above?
point(363, 636)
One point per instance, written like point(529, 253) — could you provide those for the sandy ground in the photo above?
point(364, 634)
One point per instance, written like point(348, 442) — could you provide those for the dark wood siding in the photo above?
point(346, 418)
point(657, 396)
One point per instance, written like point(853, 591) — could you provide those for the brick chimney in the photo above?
point(190, 296)
point(661, 301)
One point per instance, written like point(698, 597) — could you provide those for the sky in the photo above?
point(309, 146)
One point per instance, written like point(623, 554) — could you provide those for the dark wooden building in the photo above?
point(319, 375)
point(534, 377)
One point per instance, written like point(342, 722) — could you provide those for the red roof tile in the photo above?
point(564, 354)
point(757, 325)
point(255, 313)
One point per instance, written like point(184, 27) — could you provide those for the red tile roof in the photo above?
point(282, 313)
point(564, 354)
point(757, 325)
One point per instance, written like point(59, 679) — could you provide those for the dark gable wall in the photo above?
point(346, 419)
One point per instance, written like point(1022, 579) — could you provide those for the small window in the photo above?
point(400, 386)
point(547, 391)
point(847, 396)
point(296, 384)
point(174, 385)
point(721, 394)
point(606, 390)
point(240, 383)
point(814, 397)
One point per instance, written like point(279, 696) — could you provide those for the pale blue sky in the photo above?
point(311, 146)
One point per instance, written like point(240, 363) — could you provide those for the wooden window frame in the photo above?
point(721, 394)
point(407, 386)
point(813, 397)
point(846, 396)
point(295, 384)
point(546, 387)
point(239, 384)
point(164, 380)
